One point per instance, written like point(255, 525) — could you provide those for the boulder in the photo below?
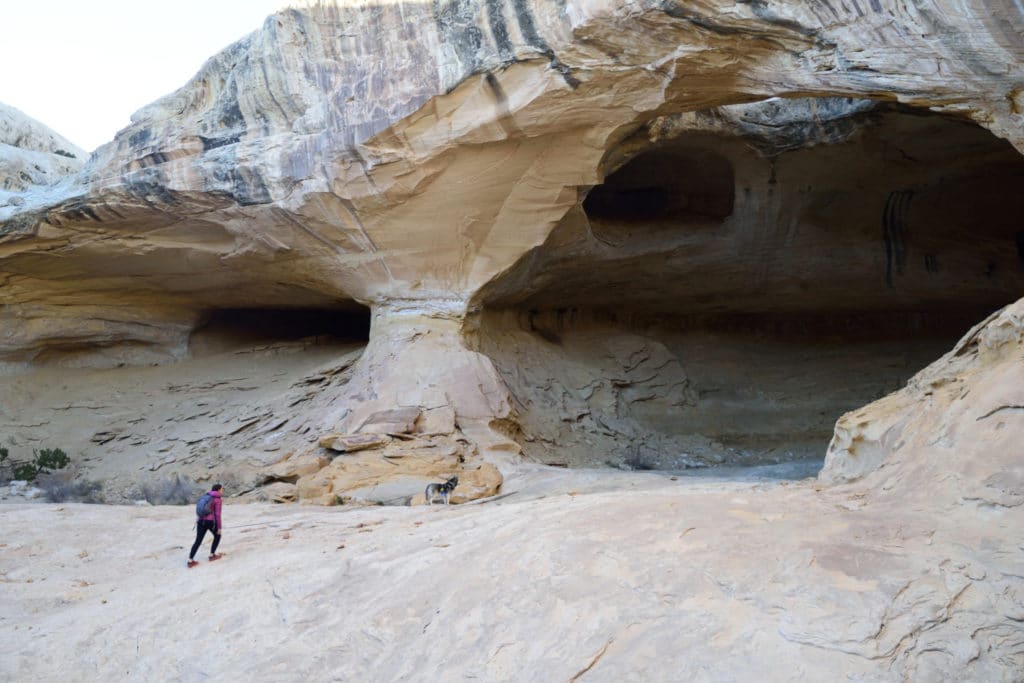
point(279, 492)
point(292, 469)
point(393, 421)
point(350, 443)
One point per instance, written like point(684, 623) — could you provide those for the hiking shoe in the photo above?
point(215, 557)
point(192, 563)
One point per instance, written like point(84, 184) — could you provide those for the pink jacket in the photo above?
point(215, 515)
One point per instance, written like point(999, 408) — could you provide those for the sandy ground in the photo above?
point(567, 576)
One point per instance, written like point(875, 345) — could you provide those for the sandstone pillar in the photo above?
point(418, 370)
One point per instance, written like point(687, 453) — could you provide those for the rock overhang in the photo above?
point(314, 165)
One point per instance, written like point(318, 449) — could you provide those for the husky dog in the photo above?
point(444, 490)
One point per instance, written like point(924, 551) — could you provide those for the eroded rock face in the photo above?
point(733, 287)
point(956, 416)
point(430, 161)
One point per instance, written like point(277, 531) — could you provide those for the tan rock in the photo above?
point(398, 473)
point(294, 468)
point(279, 492)
point(392, 421)
point(350, 443)
point(317, 488)
point(482, 481)
point(912, 442)
point(434, 421)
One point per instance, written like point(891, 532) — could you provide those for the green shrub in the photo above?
point(26, 471)
point(43, 462)
point(50, 459)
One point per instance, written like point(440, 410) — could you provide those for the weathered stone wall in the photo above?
point(405, 155)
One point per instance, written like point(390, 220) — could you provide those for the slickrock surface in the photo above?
point(597, 575)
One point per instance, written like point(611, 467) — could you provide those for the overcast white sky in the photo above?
point(82, 67)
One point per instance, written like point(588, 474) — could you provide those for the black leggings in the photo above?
point(202, 526)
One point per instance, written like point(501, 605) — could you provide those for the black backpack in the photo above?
point(204, 506)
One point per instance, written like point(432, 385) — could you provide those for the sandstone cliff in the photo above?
point(370, 245)
point(404, 156)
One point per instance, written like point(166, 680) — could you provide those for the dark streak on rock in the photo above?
point(566, 73)
point(997, 410)
point(231, 116)
point(499, 92)
point(154, 159)
point(533, 38)
point(830, 8)
point(149, 186)
point(894, 227)
point(499, 31)
point(458, 32)
point(505, 119)
point(528, 28)
point(22, 224)
point(79, 210)
point(243, 184)
point(140, 138)
point(214, 143)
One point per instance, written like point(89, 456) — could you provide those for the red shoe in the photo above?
point(215, 557)
point(192, 563)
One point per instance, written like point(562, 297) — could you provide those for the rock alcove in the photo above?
point(227, 328)
point(746, 275)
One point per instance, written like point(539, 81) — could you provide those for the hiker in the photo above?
point(207, 519)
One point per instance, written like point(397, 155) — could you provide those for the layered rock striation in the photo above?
point(472, 171)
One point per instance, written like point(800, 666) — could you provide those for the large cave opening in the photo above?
point(745, 276)
point(224, 329)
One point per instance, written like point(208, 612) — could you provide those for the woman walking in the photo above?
point(207, 519)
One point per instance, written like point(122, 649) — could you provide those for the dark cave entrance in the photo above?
point(230, 328)
point(734, 288)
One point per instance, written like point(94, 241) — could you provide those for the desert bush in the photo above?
point(641, 460)
point(169, 491)
point(61, 490)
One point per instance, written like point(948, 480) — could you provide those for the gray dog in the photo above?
point(444, 490)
